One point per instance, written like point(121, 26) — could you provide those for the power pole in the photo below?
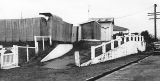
point(88, 11)
point(155, 20)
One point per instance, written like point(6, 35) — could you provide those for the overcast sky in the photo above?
point(76, 11)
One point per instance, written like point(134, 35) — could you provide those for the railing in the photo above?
point(43, 39)
point(130, 46)
point(27, 50)
point(9, 59)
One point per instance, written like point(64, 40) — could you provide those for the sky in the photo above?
point(131, 14)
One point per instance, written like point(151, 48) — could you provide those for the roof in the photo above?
point(88, 22)
point(118, 28)
point(102, 20)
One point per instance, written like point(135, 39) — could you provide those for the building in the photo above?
point(106, 27)
point(90, 30)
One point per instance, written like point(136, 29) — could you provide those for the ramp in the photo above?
point(60, 50)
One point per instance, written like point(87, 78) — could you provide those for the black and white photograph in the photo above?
point(80, 40)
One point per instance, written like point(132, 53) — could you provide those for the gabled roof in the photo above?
point(89, 22)
point(118, 28)
point(102, 20)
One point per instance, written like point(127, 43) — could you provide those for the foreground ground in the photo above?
point(146, 70)
point(73, 73)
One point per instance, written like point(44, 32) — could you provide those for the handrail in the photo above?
point(135, 38)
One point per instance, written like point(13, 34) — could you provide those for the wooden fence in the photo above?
point(59, 29)
point(15, 30)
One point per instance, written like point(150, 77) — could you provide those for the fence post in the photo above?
point(92, 52)
point(129, 38)
point(112, 44)
point(119, 41)
point(36, 44)
point(124, 39)
point(140, 38)
point(16, 54)
point(36, 47)
point(77, 59)
point(133, 38)
point(104, 48)
point(43, 43)
point(1, 55)
point(50, 40)
point(27, 54)
point(2, 52)
point(137, 38)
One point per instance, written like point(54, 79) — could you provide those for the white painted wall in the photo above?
point(106, 31)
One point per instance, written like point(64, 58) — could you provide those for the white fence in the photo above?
point(10, 59)
point(27, 50)
point(43, 39)
point(132, 44)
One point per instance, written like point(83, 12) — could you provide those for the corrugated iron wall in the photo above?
point(90, 30)
point(59, 29)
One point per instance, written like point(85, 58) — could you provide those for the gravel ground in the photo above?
point(39, 73)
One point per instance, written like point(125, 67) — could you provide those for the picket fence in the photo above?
point(132, 44)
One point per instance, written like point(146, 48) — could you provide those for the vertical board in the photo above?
point(2, 30)
point(22, 30)
point(43, 27)
point(15, 30)
point(74, 33)
point(52, 26)
point(36, 26)
point(8, 31)
point(29, 29)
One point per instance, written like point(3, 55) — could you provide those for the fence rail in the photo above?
point(42, 37)
point(27, 49)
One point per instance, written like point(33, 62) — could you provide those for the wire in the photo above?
point(133, 13)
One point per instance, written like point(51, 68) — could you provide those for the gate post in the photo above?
point(112, 44)
point(77, 59)
point(15, 47)
point(104, 48)
point(92, 52)
point(119, 41)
